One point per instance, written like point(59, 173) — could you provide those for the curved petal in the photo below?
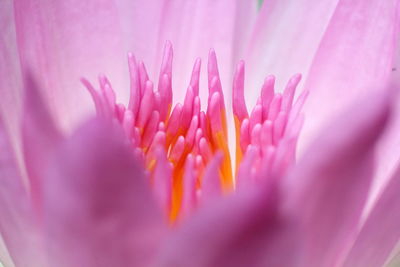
point(193, 27)
point(10, 75)
point(246, 229)
point(329, 186)
point(355, 56)
point(285, 38)
point(17, 222)
point(40, 137)
point(5, 258)
point(99, 210)
point(65, 40)
point(380, 233)
point(388, 150)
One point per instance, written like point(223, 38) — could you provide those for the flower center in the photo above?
point(186, 150)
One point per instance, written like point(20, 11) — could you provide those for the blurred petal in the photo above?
point(242, 230)
point(99, 210)
point(193, 27)
point(329, 186)
point(65, 40)
point(5, 258)
point(388, 149)
point(17, 222)
point(40, 137)
point(380, 233)
point(285, 38)
point(355, 56)
point(10, 75)
point(394, 261)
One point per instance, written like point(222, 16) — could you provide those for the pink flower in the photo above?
point(161, 190)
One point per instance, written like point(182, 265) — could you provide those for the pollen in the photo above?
point(185, 149)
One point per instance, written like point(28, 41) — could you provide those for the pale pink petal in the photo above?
point(10, 75)
point(329, 185)
point(246, 229)
point(355, 56)
point(388, 149)
point(380, 233)
point(18, 224)
point(5, 258)
point(193, 27)
point(285, 38)
point(39, 137)
point(64, 40)
point(394, 261)
point(99, 209)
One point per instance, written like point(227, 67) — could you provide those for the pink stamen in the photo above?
point(185, 150)
point(211, 184)
point(146, 105)
point(239, 104)
point(189, 197)
point(267, 94)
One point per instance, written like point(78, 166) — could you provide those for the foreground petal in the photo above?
point(10, 75)
point(17, 221)
point(99, 210)
point(5, 257)
point(329, 186)
point(65, 40)
point(380, 233)
point(40, 137)
point(285, 38)
point(242, 230)
point(388, 149)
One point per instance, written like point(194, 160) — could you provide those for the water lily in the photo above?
point(154, 183)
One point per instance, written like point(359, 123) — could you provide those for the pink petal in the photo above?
point(65, 40)
point(17, 221)
point(329, 186)
point(355, 56)
point(40, 137)
point(285, 38)
point(99, 209)
point(394, 261)
point(5, 258)
point(10, 75)
point(380, 233)
point(242, 230)
point(193, 27)
point(388, 149)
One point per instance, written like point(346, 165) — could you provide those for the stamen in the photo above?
point(185, 149)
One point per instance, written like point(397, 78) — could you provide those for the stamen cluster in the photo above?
point(185, 149)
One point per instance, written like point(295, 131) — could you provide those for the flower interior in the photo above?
point(185, 149)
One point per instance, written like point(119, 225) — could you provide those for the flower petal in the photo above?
point(10, 75)
point(17, 221)
point(39, 136)
point(355, 56)
point(5, 258)
point(193, 27)
point(246, 229)
point(65, 40)
point(284, 40)
point(380, 233)
point(329, 186)
point(388, 149)
point(99, 210)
